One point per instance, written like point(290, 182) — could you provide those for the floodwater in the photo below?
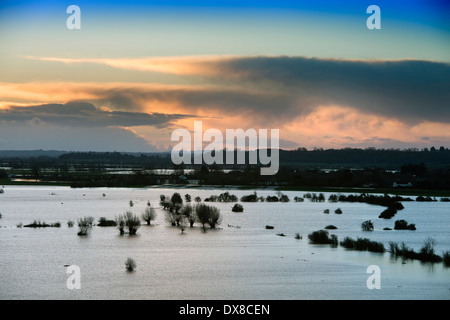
point(238, 260)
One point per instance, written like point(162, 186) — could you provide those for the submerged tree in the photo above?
point(85, 225)
point(148, 215)
point(130, 221)
point(208, 215)
point(130, 265)
point(367, 225)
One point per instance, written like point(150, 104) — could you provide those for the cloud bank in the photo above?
point(314, 102)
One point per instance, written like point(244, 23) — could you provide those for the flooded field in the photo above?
point(241, 259)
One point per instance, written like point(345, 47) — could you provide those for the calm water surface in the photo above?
point(239, 260)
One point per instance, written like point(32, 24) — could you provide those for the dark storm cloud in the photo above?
point(406, 89)
point(280, 88)
point(83, 114)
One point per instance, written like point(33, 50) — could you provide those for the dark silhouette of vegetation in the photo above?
point(39, 224)
point(85, 225)
point(338, 211)
point(330, 227)
point(208, 215)
point(129, 221)
point(367, 225)
point(343, 168)
point(237, 208)
point(223, 197)
point(188, 211)
point(103, 222)
point(326, 211)
point(272, 199)
point(130, 265)
point(362, 244)
point(425, 254)
point(425, 199)
point(313, 197)
point(149, 215)
point(187, 197)
point(403, 225)
point(321, 237)
point(250, 198)
point(298, 236)
point(388, 213)
point(70, 224)
point(446, 258)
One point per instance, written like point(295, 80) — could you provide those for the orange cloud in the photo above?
point(194, 65)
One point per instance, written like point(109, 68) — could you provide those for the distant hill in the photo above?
point(24, 154)
point(331, 158)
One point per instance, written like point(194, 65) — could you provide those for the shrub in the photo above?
point(20, 225)
point(237, 208)
point(403, 225)
point(70, 223)
point(130, 265)
point(298, 236)
point(426, 253)
point(446, 258)
point(103, 222)
point(272, 199)
point(130, 221)
point(85, 225)
point(198, 199)
point(338, 211)
point(321, 237)
point(326, 211)
point(330, 227)
point(148, 215)
point(250, 198)
point(284, 198)
point(39, 224)
point(188, 197)
point(298, 199)
point(388, 213)
point(0, 215)
point(367, 225)
point(131, 203)
point(362, 244)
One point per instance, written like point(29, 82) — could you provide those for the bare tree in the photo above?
point(130, 221)
point(148, 215)
point(85, 225)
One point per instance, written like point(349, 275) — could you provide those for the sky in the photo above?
point(138, 70)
